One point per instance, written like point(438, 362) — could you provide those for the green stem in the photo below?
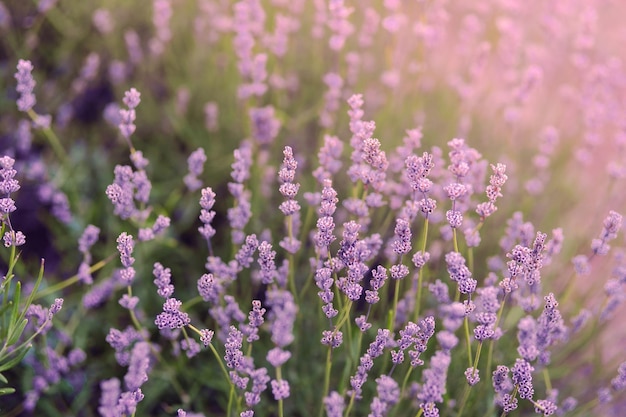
point(71, 280)
point(53, 139)
point(327, 369)
point(279, 377)
point(420, 277)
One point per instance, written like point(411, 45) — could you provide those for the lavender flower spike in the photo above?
point(25, 85)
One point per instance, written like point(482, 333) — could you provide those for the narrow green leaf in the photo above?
point(7, 391)
point(16, 331)
point(30, 298)
point(12, 362)
point(3, 379)
point(16, 303)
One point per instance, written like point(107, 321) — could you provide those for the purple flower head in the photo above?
point(234, 356)
point(334, 339)
point(255, 320)
point(277, 357)
point(25, 85)
point(379, 276)
point(110, 392)
point(545, 407)
point(125, 246)
point(329, 156)
point(209, 288)
point(127, 403)
point(420, 258)
point(8, 184)
point(460, 273)
point(206, 336)
point(266, 262)
point(471, 374)
point(131, 100)
point(612, 225)
point(402, 240)
point(434, 378)
point(265, 126)
point(455, 190)
point(172, 317)
point(288, 188)
point(334, 404)
point(88, 238)
point(138, 367)
point(128, 302)
point(388, 394)
point(13, 238)
point(282, 316)
point(522, 378)
point(195, 163)
point(280, 389)
point(163, 280)
point(455, 218)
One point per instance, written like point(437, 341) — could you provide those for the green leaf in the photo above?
point(16, 331)
point(6, 391)
point(16, 303)
point(29, 301)
point(12, 362)
point(3, 379)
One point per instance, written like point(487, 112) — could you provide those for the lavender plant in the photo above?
point(316, 218)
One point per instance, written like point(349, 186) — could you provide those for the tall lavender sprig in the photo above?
point(25, 85)
point(9, 185)
point(195, 163)
point(240, 214)
point(290, 207)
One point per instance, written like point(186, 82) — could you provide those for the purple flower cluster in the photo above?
point(417, 170)
point(85, 242)
point(416, 336)
point(324, 281)
point(125, 247)
point(172, 317)
point(207, 214)
point(127, 127)
point(25, 86)
point(240, 214)
point(255, 320)
point(366, 362)
point(612, 225)
point(434, 382)
point(494, 189)
point(290, 207)
point(265, 125)
point(388, 394)
point(128, 186)
point(352, 253)
point(523, 379)
point(160, 224)
point(9, 185)
point(195, 163)
point(460, 273)
point(325, 223)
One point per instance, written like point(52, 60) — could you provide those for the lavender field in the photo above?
point(312, 208)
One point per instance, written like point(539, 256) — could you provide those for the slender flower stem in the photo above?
point(53, 139)
point(468, 340)
point(420, 274)
point(327, 369)
point(279, 377)
point(491, 342)
point(72, 280)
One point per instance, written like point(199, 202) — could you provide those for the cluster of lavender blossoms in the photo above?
point(399, 277)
